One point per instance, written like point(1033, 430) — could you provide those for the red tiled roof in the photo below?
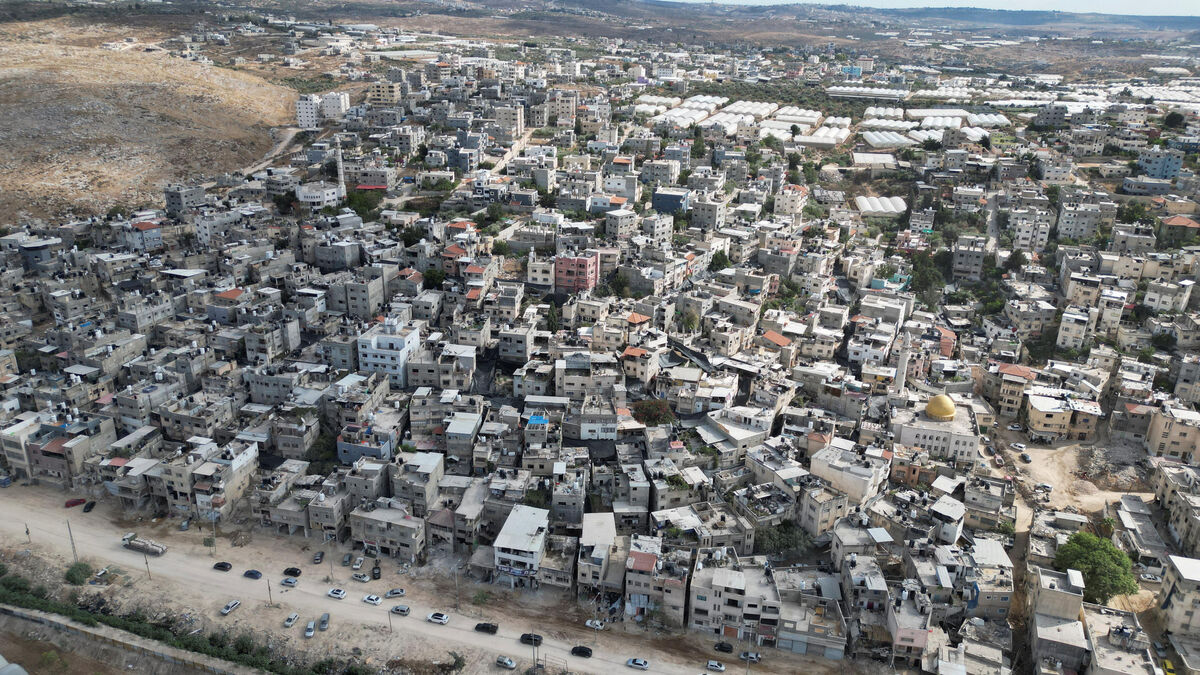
point(231, 294)
point(475, 269)
point(640, 561)
point(1180, 221)
point(1020, 371)
point(142, 227)
point(118, 461)
point(776, 338)
point(634, 352)
point(473, 294)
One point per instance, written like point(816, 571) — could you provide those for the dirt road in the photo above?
point(184, 576)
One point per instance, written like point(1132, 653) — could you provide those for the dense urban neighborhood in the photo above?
point(596, 354)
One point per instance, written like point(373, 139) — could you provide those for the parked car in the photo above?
point(358, 563)
point(290, 582)
point(347, 559)
point(401, 610)
point(394, 593)
point(531, 639)
point(1019, 447)
point(752, 657)
point(489, 628)
point(594, 624)
point(715, 666)
point(723, 647)
point(1046, 487)
point(360, 577)
point(1168, 667)
point(324, 625)
point(1025, 457)
point(999, 460)
point(310, 629)
point(252, 574)
point(986, 439)
point(318, 557)
point(291, 620)
point(640, 664)
point(1014, 427)
point(230, 606)
point(506, 663)
point(183, 527)
point(292, 572)
point(373, 600)
point(74, 502)
point(376, 572)
point(989, 451)
point(581, 652)
point(1152, 578)
point(336, 593)
point(87, 508)
point(438, 617)
point(1160, 650)
point(222, 567)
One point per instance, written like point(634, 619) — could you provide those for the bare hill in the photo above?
point(86, 127)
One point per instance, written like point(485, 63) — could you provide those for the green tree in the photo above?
point(719, 262)
point(77, 574)
point(1173, 119)
point(786, 539)
point(501, 248)
point(653, 412)
point(926, 281)
point(1106, 570)
point(552, 318)
point(1164, 341)
point(434, 278)
point(1016, 260)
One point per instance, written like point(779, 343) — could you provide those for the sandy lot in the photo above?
point(183, 581)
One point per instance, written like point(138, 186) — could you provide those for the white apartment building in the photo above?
point(521, 544)
point(386, 349)
point(308, 111)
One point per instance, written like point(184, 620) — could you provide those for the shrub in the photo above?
point(78, 574)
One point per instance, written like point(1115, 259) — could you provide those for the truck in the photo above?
point(148, 546)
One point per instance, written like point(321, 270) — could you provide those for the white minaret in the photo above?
point(340, 169)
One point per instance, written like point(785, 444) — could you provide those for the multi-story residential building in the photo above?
point(416, 481)
point(1174, 432)
point(733, 597)
point(521, 543)
point(656, 580)
point(385, 528)
point(386, 348)
point(1160, 163)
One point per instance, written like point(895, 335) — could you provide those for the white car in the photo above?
point(230, 606)
point(358, 563)
point(361, 577)
point(594, 624)
point(395, 593)
point(1018, 446)
point(715, 666)
point(1014, 427)
point(337, 593)
point(373, 600)
point(506, 663)
point(1152, 578)
point(438, 617)
point(291, 620)
point(640, 664)
point(290, 582)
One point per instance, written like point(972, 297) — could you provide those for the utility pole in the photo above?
point(456, 589)
point(214, 546)
point(270, 600)
point(74, 554)
point(390, 622)
point(147, 561)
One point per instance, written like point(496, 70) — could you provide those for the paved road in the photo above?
point(186, 572)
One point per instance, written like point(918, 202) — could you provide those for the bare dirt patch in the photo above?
point(88, 127)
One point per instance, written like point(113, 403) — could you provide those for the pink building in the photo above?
point(577, 272)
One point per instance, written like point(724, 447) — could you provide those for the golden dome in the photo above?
point(941, 408)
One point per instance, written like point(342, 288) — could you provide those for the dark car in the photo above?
point(74, 502)
point(346, 560)
point(490, 628)
point(531, 639)
point(723, 647)
point(324, 625)
point(1026, 457)
point(223, 566)
point(87, 508)
point(376, 572)
point(585, 652)
point(318, 557)
point(292, 572)
point(252, 574)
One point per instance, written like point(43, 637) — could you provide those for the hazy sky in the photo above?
point(1143, 7)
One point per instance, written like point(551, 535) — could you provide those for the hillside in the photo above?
point(86, 127)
